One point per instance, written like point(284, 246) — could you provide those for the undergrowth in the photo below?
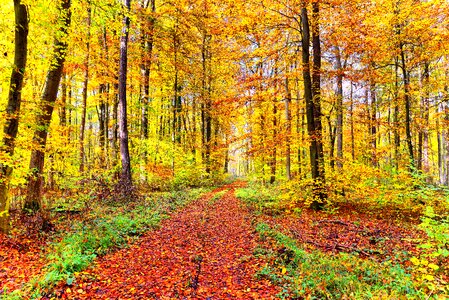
point(263, 199)
point(101, 229)
point(316, 275)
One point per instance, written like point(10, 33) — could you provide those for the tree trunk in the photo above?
point(207, 105)
point(313, 109)
point(125, 177)
point(48, 98)
point(397, 139)
point(177, 101)
point(147, 53)
point(339, 131)
point(288, 121)
point(63, 104)
point(11, 125)
point(351, 116)
point(425, 131)
point(273, 150)
point(373, 123)
point(407, 100)
point(82, 156)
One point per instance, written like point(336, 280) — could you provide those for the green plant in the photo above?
point(261, 198)
point(317, 275)
point(431, 263)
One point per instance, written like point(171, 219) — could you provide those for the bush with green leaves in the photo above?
point(432, 262)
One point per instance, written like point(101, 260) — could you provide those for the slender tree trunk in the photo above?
point(332, 138)
point(426, 104)
point(444, 145)
point(48, 98)
point(288, 122)
point(63, 104)
point(351, 115)
point(82, 156)
point(339, 131)
point(397, 139)
point(373, 127)
point(407, 100)
point(147, 40)
point(115, 125)
point(102, 122)
point(11, 126)
point(177, 101)
point(207, 105)
point(125, 177)
point(274, 148)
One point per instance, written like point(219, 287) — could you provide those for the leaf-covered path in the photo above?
point(201, 252)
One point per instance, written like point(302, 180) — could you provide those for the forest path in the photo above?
point(202, 252)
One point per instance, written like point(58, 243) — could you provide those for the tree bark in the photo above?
point(63, 103)
point(313, 107)
point(125, 177)
point(48, 98)
point(147, 41)
point(373, 125)
point(407, 100)
point(339, 131)
point(11, 125)
point(288, 120)
point(273, 146)
point(425, 132)
point(82, 155)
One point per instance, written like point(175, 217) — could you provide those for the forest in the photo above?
point(224, 149)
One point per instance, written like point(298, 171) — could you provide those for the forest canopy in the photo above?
point(328, 103)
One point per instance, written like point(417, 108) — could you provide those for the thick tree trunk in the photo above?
point(48, 98)
point(11, 125)
point(313, 108)
point(125, 177)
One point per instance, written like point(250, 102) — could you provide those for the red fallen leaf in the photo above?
point(196, 253)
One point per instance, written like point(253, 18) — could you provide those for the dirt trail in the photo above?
point(201, 252)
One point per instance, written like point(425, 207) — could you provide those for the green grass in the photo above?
point(261, 198)
point(317, 275)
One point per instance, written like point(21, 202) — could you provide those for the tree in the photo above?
point(47, 102)
point(125, 177)
point(85, 86)
point(313, 102)
point(11, 126)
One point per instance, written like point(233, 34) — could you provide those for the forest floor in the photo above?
point(206, 251)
